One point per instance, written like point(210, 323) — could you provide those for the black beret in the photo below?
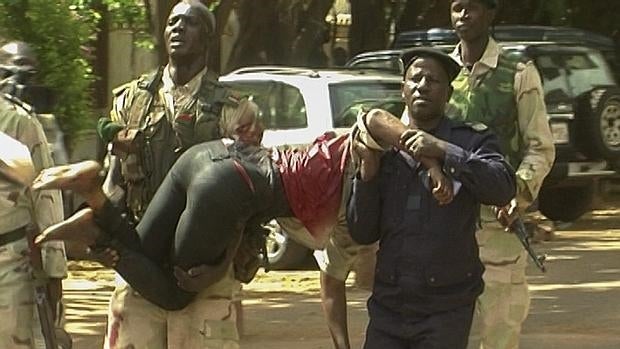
point(451, 66)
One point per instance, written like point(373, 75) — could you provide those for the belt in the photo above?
point(12, 236)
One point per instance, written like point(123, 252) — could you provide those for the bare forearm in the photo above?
point(387, 129)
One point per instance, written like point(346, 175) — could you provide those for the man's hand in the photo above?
point(443, 190)
point(197, 278)
point(507, 214)
point(419, 143)
point(370, 160)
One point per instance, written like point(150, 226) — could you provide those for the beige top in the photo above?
point(179, 97)
point(17, 123)
point(539, 151)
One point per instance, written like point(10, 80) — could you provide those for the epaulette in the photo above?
point(19, 103)
point(121, 89)
point(477, 126)
point(151, 80)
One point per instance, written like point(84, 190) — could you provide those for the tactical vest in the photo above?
point(159, 137)
point(492, 102)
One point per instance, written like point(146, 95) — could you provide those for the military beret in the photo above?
point(451, 67)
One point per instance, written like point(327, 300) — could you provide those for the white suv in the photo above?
point(300, 104)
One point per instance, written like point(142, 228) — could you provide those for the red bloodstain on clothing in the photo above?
point(312, 181)
point(117, 318)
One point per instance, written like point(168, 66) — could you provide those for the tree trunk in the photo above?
point(368, 26)
point(257, 20)
point(307, 47)
point(158, 15)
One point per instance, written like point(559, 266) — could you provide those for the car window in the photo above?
point(567, 75)
point(386, 63)
point(281, 105)
point(347, 99)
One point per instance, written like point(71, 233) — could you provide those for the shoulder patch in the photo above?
point(477, 126)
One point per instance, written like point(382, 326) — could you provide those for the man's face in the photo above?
point(471, 19)
point(426, 89)
point(185, 34)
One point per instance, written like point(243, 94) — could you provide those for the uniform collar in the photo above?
point(489, 58)
point(191, 87)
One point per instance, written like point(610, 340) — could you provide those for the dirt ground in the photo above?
point(574, 305)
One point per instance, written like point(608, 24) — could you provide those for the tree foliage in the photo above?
point(62, 33)
point(59, 32)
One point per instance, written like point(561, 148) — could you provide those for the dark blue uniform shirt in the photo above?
point(428, 257)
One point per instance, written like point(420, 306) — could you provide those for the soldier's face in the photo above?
point(471, 19)
point(185, 34)
point(426, 89)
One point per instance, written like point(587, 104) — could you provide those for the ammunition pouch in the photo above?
point(127, 141)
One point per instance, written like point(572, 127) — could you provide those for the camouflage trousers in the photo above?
point(209, 322)
point(504, 304)
point(19, 327)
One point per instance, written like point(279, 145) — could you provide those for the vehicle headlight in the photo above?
point(559, 130)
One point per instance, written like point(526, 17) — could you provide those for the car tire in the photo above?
point(598, 123)
point(566, 203)
point(282, 251)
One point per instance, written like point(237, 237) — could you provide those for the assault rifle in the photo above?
point(41, 291)
point(518, 228)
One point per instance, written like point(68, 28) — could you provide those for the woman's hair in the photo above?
point(231, 114)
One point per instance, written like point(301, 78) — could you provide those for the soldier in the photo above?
point(153, 120)
point(19, 70)
point(20, 327)
point(495, 89)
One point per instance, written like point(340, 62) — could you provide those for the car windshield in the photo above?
point(385, 63)
point(347, 99)
point(281, 105)
point(568, 74)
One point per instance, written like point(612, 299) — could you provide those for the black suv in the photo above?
point(583, 103)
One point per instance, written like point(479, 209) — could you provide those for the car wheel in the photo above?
point(598, 123)
point(282, 252)
point(566, 203)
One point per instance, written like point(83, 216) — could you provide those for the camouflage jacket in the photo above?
point(507, 96)
point(156, 132)
point(17, 121)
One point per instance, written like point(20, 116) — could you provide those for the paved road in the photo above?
point(575, 305)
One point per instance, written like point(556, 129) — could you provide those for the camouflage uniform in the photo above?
point(507, 96)
point(169, 119)
point(20, 326)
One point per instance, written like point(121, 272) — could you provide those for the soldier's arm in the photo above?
point(48, 207)
point(539, 151)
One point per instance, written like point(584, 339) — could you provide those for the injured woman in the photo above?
point(198, 214)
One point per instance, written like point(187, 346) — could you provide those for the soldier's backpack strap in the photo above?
point(146, 90)
point(212, 96)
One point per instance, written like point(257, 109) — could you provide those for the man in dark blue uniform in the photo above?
point(428, 272)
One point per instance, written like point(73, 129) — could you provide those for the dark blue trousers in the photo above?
point(442, 330)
